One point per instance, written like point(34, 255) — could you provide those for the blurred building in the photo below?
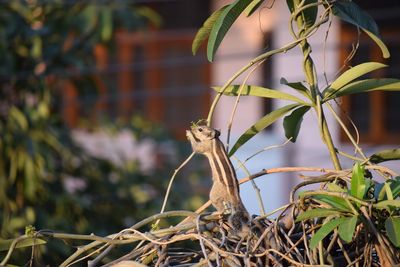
point(153, 72)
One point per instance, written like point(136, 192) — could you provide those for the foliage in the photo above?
point(46, 179)
point(352, 220)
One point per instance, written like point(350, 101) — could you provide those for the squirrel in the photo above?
point(224, 194)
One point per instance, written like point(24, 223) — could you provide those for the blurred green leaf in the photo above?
point(350, 75)
point(347, 228)
point(19, 117)
point(30, 184)
point(358, 184)
point(36, 50)
point(292, 123)
point(260, 125)
point(350, 12)
point(106, 24)
point(203, 33)
point(223, 24)
point(392, 225)
point(325, 230)
point(252, 90)
point(26, 242)
point(316, 213)
point(149, 14)
point(385, 155)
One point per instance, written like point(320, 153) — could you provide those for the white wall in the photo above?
point(243, 42)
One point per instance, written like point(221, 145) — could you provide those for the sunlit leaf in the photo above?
point(387, 204)
point(261, 125)
point(252, 90)
point(334, 202)
point(353, 14)
point(325, 230)
point(26, 242)
point(298, 86)
point(385, 155)
point(350, 75)
point(316, 213)
point(347, 228)
point(203, 33)
point(358, 185)
point(390, 189)
point(292, 123)
point(392, 225)
point(223, 24)
point(253, 7)
point(368, 85)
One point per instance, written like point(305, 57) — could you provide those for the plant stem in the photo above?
point(327, 137)
point(311, 78)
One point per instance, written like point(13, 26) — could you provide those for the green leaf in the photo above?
point(395, 187)
point(350, 75)
point(353, 14)
point(106, 24)
point(325, 230)
point(347, 228)
point(223, 24)
point(26, 242)
point(334, 202)
point(385, 155)
point(298, 86)
point(358, 184)
point(30, 181)
point(335, 188)
point(308, 16)
point(367, 85)
point(392, 225)
point(316, 213)
point(253, 7)
point(252, 90)
point(260, 125)
point(150, 14)
point(19, 117)
point(292, 123)
point(387, 204)
point(205, 30)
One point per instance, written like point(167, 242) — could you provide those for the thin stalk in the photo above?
point(357, 147)
point(311, 78)
point(255, 187)
point(329, 143)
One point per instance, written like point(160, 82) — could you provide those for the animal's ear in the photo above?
point(217, 133)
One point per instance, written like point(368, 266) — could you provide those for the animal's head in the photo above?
point(201, 137)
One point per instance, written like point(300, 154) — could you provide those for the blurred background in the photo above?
point(95, 98)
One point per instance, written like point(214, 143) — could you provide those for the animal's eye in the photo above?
point(200, 129)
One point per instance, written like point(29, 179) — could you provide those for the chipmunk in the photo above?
point(224, 194)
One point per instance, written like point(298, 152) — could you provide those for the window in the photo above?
point(152, 73)
point(376, 114)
